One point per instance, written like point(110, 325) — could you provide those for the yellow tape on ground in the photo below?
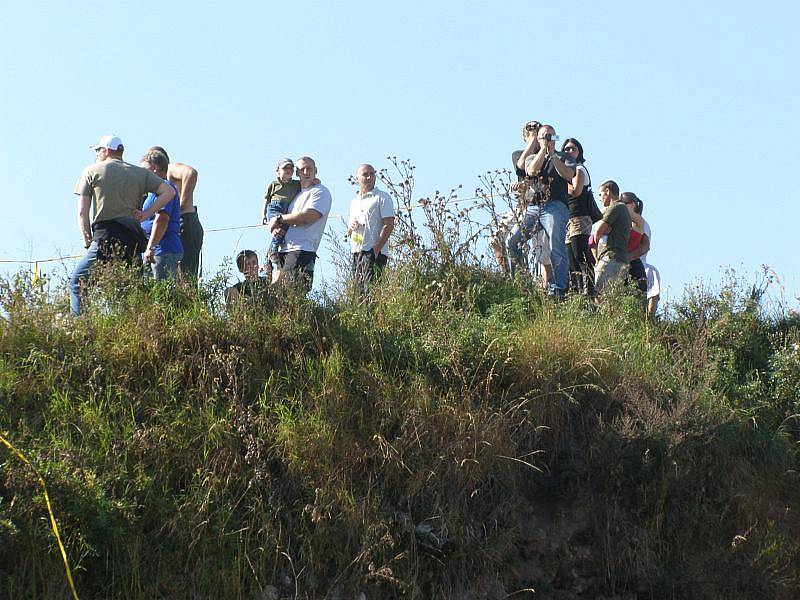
point(53, 524)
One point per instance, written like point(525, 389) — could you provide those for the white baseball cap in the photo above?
point(111, 142)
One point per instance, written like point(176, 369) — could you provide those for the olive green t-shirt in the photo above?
point(283, 192)
point(116, 188)
point(614, 246)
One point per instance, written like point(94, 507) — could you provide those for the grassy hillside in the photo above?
point(458, 436)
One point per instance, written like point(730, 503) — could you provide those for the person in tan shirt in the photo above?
point(113, 190)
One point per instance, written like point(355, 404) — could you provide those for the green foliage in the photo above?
point(455, 431)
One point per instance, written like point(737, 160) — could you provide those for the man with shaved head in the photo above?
point(305, 223)
point(370, 225)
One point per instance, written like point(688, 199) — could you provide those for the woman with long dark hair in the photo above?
point(583, 211)
point(639, 242)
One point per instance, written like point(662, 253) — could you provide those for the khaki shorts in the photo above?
point(607, 272)
point(579, 226)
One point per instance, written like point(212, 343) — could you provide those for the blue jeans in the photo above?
point(553, 217)
point(166, 265)
point(275, 208)
point(78, 278)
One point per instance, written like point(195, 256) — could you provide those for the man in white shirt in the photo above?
point(306, 218)
point(370, 225)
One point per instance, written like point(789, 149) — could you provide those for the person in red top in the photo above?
point(638, 243)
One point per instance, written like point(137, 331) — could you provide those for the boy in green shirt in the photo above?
point(276, 202)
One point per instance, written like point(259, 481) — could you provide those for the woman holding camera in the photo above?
point(583, 211)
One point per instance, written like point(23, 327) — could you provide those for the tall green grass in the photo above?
point(453, 433)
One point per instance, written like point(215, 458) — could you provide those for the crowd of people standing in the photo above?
point(147, 213)
point(576, 246)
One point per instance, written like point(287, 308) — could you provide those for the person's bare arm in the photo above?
point(386, 230)
point(305, 217)
point(530, 148)
point(536, 163)
point(184, 178)
point(602, 230)
point(164, 194)
point(575, 187)
point(84, 202)
point(156, 233)
point(566, 172)
point(267, 200)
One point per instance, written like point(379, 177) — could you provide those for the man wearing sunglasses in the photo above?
point(549, 174)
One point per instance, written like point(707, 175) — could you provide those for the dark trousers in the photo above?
point(299, 265)
point(637, 275)
point(366, 267)
point(581, 265)
point(192, 240)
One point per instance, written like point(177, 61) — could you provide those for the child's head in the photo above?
point(284, 169)
point(247, 263)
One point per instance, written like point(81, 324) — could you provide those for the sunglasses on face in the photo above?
point(570, 149)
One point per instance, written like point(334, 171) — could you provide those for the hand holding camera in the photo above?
point(548, 142)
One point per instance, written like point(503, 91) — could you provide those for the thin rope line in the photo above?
point(421, 201)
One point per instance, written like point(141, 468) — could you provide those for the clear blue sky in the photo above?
point(691, 105)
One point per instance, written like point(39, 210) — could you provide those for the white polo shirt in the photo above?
point(368, 211)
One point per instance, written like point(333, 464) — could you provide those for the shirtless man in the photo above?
point(184, 178)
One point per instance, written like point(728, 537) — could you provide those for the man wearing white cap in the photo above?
point(114, 190)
